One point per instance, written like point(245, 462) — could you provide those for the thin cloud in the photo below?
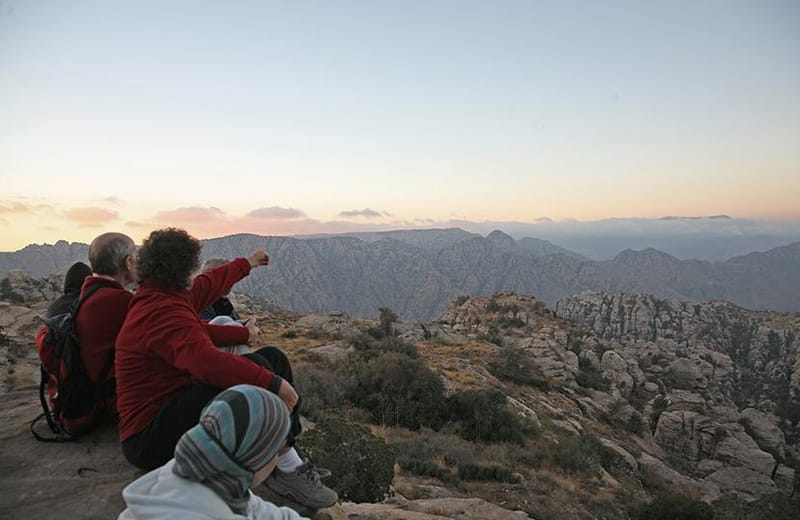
point(191, 214)
point(14, 207)
point(90, 216)
point(364, 213)
point(276, 213)
point(136, 224)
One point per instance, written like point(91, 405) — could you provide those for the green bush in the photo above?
point(577, 455)
point(321, 387)
point(509, 323)
point(775, 507)
point(674, 506)
point(362, 465)
point(398, 391)
point(483, 415)
point(486, 473)
point(425, 468)
point(514, 365)
point(367, 346)
point(590, 377)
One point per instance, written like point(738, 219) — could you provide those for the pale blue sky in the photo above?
point(423, 110)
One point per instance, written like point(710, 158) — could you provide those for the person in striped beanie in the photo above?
point(233, 449)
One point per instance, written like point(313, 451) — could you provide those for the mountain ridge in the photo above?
point(416, 273)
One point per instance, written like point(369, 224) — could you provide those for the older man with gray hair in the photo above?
point(112, 259)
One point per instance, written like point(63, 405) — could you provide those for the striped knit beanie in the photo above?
point(240, 431)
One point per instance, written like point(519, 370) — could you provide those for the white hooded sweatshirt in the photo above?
point(163, 495)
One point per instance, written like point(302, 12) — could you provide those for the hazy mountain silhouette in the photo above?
point(417, 272)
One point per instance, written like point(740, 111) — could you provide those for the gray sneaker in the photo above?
point(303, 485)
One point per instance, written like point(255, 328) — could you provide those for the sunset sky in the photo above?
point(307, 117)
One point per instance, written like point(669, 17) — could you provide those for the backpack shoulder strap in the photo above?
point(93, 288)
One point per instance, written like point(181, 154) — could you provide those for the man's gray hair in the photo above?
point(107, 253)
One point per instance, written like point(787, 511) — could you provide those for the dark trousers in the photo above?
point(155, 445)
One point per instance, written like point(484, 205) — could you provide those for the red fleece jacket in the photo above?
point(99, 321)
point(163, 348)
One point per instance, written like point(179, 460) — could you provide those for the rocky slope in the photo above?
point(722, 384)
point(657, 394)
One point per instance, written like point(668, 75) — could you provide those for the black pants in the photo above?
point(155, 445)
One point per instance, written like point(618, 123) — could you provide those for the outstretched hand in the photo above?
point(259, 257)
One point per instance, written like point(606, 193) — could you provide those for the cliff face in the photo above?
point(722, 384)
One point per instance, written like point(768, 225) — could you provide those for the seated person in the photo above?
point(73, 281)
point(234, 448)
point(168, 368)
point(223, 306)
point(112, 257)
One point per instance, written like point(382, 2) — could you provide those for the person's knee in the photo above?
point(274, 353)
point(225, 320)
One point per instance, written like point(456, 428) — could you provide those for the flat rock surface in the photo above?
point(57, 480)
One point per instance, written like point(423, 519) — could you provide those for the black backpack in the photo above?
point(72, 409)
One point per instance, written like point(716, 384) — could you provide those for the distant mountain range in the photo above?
point(418, 272)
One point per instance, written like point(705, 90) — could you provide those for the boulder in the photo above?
point(764, 430)
point(749, 485)
point(784, 479)
point(686, 375)
point(623, 457)
point(709, 491)
point(684, 437)
point(615, 369)
point(432, 509)
point(736, 448)
point(334, 351)
point(334, 325)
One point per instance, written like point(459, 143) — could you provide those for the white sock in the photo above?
point(289, 461)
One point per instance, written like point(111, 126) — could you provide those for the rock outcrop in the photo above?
point(721, 384)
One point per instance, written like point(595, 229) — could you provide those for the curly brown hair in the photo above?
point(168, 257)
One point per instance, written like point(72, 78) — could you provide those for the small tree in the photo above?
point(483, 415)
point(387, 318)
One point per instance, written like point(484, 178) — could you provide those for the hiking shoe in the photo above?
point(303, 485)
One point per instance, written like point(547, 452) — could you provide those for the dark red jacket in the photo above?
point(99, 320)
point(163, 348)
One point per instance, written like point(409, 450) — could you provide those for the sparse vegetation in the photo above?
point(659, 405)
point(386, 320)
point(483, 415)
point(491, 473)
point(590, 377)
point(514, 365)
point(674, 506)
point(775, 507)
point(397, 391)
point(577, 455)
point(461, 300)
point(364, 463)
